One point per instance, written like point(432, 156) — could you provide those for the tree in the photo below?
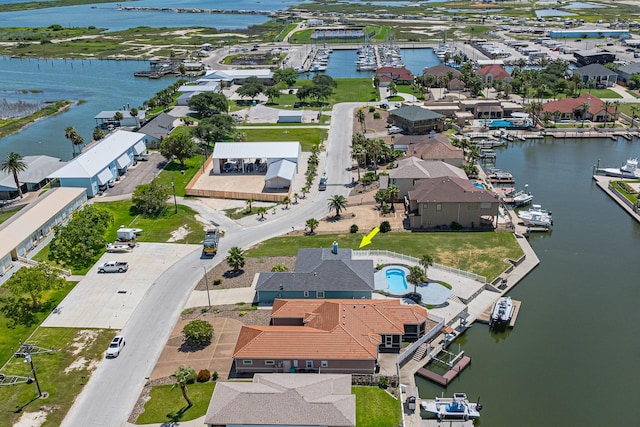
point(393, 191)
point(185, 375)
point(236, 258)
point(361, 118)
point(98, 134)
point(134, 113)
point(295, 198)
point(209, 103)
point(249, 202)
point(416, 277)
point(179, 146)
point(392, 89)
point(616, 105)
point(287, 76)
point(426, 261)
point(82, 239)
point(215, 128)
point(198, 332)
point(72, 135)
point(251, 87)
point(34, 282)
point(14, 164)
point(606, 104)
point(286, 202)
point(279, 268)
point(357, 153)
point(272, 92)
point(118, 117)
point(337, 202)
point(312, 223)
point(150, 199)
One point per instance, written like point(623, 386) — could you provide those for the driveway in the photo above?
point(107, 300)
point(141, 173)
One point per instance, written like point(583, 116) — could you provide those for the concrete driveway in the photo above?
point(107, 300)
point(141, 173)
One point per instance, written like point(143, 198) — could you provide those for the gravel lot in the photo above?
point(251, 267)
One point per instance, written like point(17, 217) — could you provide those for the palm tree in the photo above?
point(134, 113)
point(261, 211)
point(357, 152)
point(337, 202)
point(312, 223)
point(286, 202)
point(14, 164)
point(426, 261)
point(98, 134)
point(295, 198)
point(249, 202)
point(416, 277)
point(361, 118)
point(72, 135)
point(584, 108)
point(236, 258)
point(182, 376)
point(606, 104)
point(118, 117)
point(634, 110)
point(616, 105)
point(393, 191)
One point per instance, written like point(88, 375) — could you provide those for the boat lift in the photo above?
point(453, 358)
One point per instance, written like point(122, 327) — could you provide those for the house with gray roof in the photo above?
point(432, 147)
point(439, 202)
point(411, 169)
point(158, 128)
point(626, 71)
point(31, 179)
point(416, 120)
point(319, 273)
point(597, 73)
point(284, 399)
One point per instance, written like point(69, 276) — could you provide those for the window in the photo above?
point(269, 362)
point(438, 207)
point(324, 364)
point(295, 363)
point(309, 364)
point(247, 362)
point(320, 294)
point(306, 294)
point(485, 205)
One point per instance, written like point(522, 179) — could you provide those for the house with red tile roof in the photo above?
point(438, 202)
point(493, 72)
point(584, 107)
point(333, 336)
point(399, 75)
point(444, 74)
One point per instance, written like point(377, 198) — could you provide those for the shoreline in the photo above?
point(29, 120)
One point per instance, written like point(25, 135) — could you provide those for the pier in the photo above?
point(449, 376)
point(485, 317)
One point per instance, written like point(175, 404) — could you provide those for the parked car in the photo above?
point(113, 267)
point(141, 158)
point(116, 346)
point(111, 183)
point(394, 129)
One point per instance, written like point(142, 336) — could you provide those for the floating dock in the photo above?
point(486, 315)
point(449, 375)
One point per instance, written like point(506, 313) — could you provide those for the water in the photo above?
point(396, 281)
point(575, 339)
point(103, 85)
point(342, 63)
point(580, 5)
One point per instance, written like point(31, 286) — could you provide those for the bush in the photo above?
point(376, 115)
point(385, 227)
point(198, 331)
point(203, 376)
point(217, 281)
point(372, 109)
point(414, 296)
point(384, 382)
point(214, 377)
point(353, 229)
point(456, 226)
point(379, 267)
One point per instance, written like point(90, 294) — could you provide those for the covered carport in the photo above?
point(253, 157)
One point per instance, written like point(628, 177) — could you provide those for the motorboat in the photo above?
point(502, 311)
point(118, 247)
point(522, 198)
point(456, 408)
point(628, 170)
point(536, 216)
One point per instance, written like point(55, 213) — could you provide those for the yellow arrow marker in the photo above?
point(367, 239)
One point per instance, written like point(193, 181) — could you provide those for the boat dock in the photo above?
point(603, 182)
point(449, 376)
point(486, 315)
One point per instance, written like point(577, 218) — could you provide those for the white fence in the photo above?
point(408, 352)
point(416, 261)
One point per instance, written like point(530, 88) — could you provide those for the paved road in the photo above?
point(111, 393)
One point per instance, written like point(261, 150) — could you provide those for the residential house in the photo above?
point(328, 336)
point(158, 129)
point(626, 71)
point(483, 108)
point(290, 400)
point(31, 179)
point(319, 273)
point(399, 75)
point(584, 107)
point(412, 169)
point(108, 159)
point(443, 74)
point(432, 147)
point(439, 202)
point(26, 229)
point(586, 57)
point(597, 74)
point(492, 73)
point(201, 86)
point(416, 120)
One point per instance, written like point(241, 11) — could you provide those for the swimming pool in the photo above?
point(508, 124)
point(477, 184)
point(396, 282)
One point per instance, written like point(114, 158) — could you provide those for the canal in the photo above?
point(574, 343)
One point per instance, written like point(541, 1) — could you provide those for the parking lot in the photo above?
point(140, 173)
point(107, 300)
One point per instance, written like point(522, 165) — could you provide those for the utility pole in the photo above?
point(33, 371)
point(175, 203)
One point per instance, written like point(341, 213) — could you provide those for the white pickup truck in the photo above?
point(113, 267)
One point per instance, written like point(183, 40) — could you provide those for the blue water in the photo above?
point(500, 123)
point(342, 63)
point(541, 13)
point(397, 282)
point(580, 5)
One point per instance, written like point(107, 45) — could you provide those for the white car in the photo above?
point(394, 129)
point(116, 346)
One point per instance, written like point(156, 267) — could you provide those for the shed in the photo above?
point(286, 116)
point(280, 174)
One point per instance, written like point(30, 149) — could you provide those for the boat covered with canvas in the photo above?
point(502, 312)
point(456, 408)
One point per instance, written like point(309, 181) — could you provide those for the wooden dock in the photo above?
point(449, 375)
point(486, 315)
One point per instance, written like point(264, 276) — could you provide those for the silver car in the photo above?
point(116, 346)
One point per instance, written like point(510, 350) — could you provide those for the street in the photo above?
point(114, 387)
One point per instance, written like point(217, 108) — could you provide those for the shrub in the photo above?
point(214, 377)
point(456, 226)
point(242, 313)
point(379, 267)
point(198, 331)
point(354, 228)
point(385, 227)
point(384, 382)
point(372, 109)
point(203, 376)
point(217, 281)
point(376, 115)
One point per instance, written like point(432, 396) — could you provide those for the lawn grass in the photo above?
point(180, 175)
point(62, 387)
point(626, 108)
point(5, 214)
point(481, 253)
point(307, 137)
point(167, 404)
point(376, 408)
point(602, 93)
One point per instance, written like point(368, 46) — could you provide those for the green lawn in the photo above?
point(348, 90)
point(307, 137)
point(8, 213)
point(602, 93)
point(376, 408)
point(480, 253)
point(62, 387)
point(181, 175)
point(167, 404)
point(626, 108)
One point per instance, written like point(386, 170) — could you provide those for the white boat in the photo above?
point(537, 216)
point(116, 247)
point(628, 170)
point(456, 408)
point(502, 311)
point(523, 197)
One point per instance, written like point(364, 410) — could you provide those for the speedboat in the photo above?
point(536, 216)
point(628, 170)
point(456, 408)
point(502, 311)
point(522, 198)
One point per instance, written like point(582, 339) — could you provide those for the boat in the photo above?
point(487, 154)
point(537, 216)
point(456, 408)
point(522, 197)
point(118, 247)
point(501, 178)
point(628, 170)
point(502, 312)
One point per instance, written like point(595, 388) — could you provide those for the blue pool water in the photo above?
point(507, 124)
point(396, 280)
point(477, 184)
